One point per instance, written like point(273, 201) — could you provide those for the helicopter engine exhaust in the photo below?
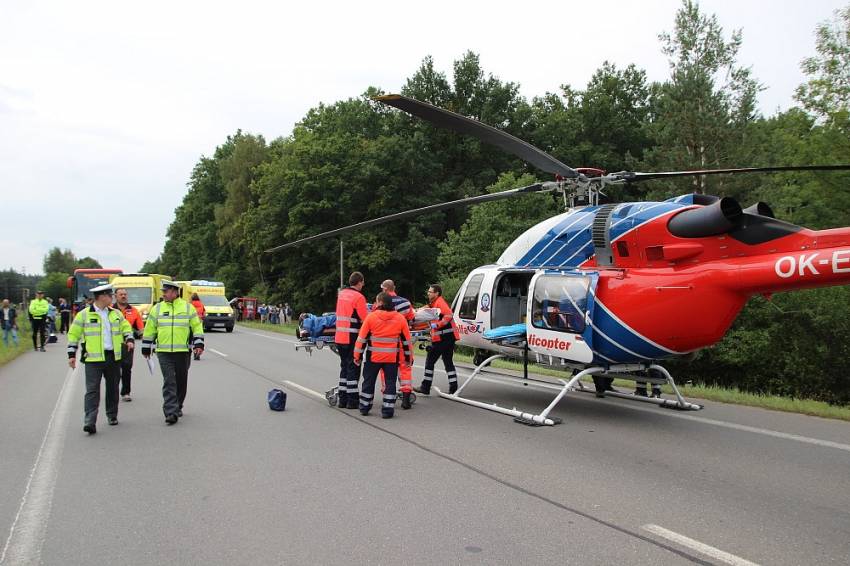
point(761, 209)
point(716, 218)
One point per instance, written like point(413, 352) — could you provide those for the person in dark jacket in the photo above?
point(9, 323)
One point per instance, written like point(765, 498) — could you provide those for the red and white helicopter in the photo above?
point(609, 290)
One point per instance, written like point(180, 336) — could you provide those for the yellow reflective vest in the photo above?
point(169, 325)
point(39, 308)
point(88, 327)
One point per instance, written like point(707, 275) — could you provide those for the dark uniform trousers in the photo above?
point(175, 378)
point(95, 371)
point(445, 349)
point(39, 329)
point(126, 364)
point(370, 375)
point(349, 372)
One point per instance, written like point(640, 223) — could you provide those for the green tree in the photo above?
point(55, 285)
point(88, 262)
point(827, 92)
point(59, 261)
point(702, 114)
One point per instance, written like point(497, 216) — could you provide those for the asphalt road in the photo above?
point(444, 483)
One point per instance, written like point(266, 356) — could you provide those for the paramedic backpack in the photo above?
point(277, 400)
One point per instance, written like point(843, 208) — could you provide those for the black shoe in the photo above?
point(452, 387)
point(405, 401)
point(641, 392)
point(387, 414)
point(656, 393)
point(170, 419)
point(113, 421)
point(180, 413)
point(353, 403)
point(423, 389)
point(90, 428)
point(342, 400)
point(364, 412)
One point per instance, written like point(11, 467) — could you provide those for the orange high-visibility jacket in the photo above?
point(445, 324)
point(133, 317)
point(388, 337)
point(351, 311)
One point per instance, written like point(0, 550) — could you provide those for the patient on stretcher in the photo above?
point(312, 327)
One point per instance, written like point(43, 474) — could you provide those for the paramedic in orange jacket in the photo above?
point(405, 373)
point(351, 311)
point(387, 337)
point(444, 333)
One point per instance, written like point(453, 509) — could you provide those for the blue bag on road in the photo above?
point(277, 400)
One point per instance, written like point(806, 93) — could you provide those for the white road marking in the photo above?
point(214, 351)
point(306, 390)
point(26, 537)
point(696, 545)
point(275, 338)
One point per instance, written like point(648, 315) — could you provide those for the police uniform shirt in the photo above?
point(106, 335)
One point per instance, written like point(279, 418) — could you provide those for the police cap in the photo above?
point(95, 291)
point(166, 285)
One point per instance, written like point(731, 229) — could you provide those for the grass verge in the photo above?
point(10, 352)
point(288, 328)
point(732, 396)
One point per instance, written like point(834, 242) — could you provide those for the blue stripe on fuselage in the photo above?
point(569, 243)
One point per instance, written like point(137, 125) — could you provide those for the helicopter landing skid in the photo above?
point(678, 404)
point(573, 384)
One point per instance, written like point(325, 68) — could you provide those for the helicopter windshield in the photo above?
point(560, 303)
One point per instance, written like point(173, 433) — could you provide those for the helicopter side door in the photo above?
point(559, 315)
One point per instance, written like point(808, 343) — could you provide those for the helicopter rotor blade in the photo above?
point(461, 124)
point(535, 188)
point(634, 177)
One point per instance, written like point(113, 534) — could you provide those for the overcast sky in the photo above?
point(105, 107)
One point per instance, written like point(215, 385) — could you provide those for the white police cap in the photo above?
point(95, 291)
point(166, 284)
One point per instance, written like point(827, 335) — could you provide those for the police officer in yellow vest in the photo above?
point(104, 330)
point(170, 324)
point(38, 317)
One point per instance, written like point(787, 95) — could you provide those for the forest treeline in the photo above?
point(358, 159)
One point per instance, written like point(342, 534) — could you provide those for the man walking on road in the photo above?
point(105, 332)
point(169, 325)
point(38, 317)
point(134, 319)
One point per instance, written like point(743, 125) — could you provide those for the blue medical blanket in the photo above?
point(315, 325)
point(502, 332)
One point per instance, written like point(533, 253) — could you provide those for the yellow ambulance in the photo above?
point(218, 312)
point(143, 289)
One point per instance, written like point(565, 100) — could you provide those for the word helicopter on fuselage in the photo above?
point(609, 290)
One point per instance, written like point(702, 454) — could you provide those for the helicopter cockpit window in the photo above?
point(560, 303)
point(469, 303)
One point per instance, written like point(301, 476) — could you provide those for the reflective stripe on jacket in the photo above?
point(387, 336)
point(169, 325)
point(401, 305)
point(445, 325)
point(88, 327)
point(351, 311)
